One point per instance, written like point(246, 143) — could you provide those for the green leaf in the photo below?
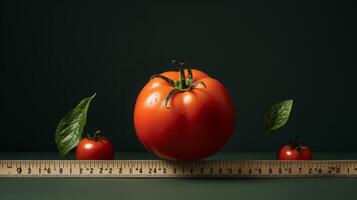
point(278, 115)
point(70, 129)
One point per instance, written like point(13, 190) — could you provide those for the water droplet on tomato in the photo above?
point(152, 99)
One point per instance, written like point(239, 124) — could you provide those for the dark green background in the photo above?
point(54, 53)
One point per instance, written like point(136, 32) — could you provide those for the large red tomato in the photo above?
point(181, 118)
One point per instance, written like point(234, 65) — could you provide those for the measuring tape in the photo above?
point(174, 169)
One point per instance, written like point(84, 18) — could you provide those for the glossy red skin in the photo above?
point(197, 123)
point(287, 152)
point(88, 149)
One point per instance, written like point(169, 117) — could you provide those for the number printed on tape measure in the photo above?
point(173, 169)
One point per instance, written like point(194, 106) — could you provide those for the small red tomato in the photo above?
point(295, 150)
point(95, 148)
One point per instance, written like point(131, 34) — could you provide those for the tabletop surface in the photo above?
point(111, 188)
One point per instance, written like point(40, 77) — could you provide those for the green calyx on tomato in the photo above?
point(297, 144)
point(96, 136)
point(182, 84)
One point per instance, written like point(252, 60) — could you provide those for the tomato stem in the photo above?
point(189, 71)
point(182, 81)
point(182, 84)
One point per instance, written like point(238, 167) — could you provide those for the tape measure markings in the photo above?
point(172, 169)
